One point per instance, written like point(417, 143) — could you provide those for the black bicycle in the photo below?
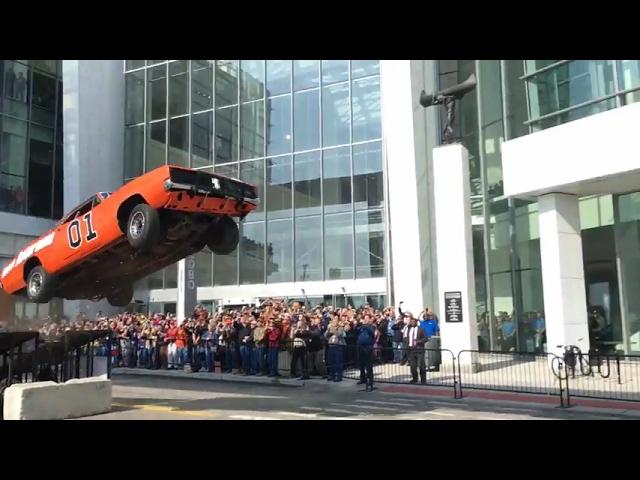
point(572, 358)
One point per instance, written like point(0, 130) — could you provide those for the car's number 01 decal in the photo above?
point(74, 233)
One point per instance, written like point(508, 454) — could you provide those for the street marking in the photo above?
point(448, 404)
point(298, 414)
point(334, 410)
point(439, 414)
point(249, 417)
point(489, 418)
point(386, 403)
point(370, 407)
point(166, 409)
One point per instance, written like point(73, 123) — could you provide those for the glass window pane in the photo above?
point(153, 62)
point(133, 151)
point(278, 187)
point(201, 85)
point(533, 65)
point(279, 251)
point(12, 193)
point(252, 132)
point(335, 115)
point(58, 184)
point(338, 239)
point(279, 125)
point(44, 99)
point(201, 139)
point(155, 280)
point(365, 104)
point(306, 74)
point(252, 80)
point(171, 276)
point(13, 160)
point(368, 186)
point(157, 92)
point(131, 64)
point(335, 71)
point(226, 129)
point(576, 114)
point(629, 77)
point(179, 141)
point(40, 172)
point(226, 83)
point(253, 173)
point(156, 145)
point(49, 66)
point(225, 269)
point(307, 173)
point(204, 268)
point(308, 238)
point(569, 84)
point(362, 68)
point(337, 179)
point(306, 114)
point(370, 244)
point(178, 88)
point(230, 170)
point(17, 78)
point(278, 77)
point(252, 253)
point(134, 98)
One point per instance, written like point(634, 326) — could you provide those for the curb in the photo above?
point(211, 377)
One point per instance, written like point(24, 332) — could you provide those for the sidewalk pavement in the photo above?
point(225, 377)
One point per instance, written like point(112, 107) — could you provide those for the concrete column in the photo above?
point(455, 247)
point(565, 299)
point(93, 110)
point(187, 288)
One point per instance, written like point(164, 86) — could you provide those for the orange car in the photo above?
point(113, 239)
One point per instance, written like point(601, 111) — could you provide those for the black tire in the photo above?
point(39, 285)
point(143, 227)
point(121, 297)
point(224, 236)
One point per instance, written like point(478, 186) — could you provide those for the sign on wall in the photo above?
point(453, 307)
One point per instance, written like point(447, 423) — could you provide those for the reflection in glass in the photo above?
point(201, 85)
point(229, 170)
point(134, 98)
point(133, 151)
point(279, 251)
point(368, 187)
point(251, 79)
point(179, 141)
point(157, 92)
point(278, 187)
point(335, 115)
point(44, 99)
point(335, 71)
point(253, 173)
point(338, 239)
point(534, 65)
point(201, 139)
point(362, 68)
point(370, 244)
point(13, 158)
point(575, 114)
point(171, 276)
point(307, 173)
point(226, 130)
point(204, 268)
point(308, 242)
point(58, 184)
point(306, 74)
point(278, 77)
point(365, 104)
point(629, 77)
point(155, 280)
point(226, 83)
point(225, 269)
point(12, 193)
point(279, 125)
point(156, 145)
point(251, 250)
point(337, 179)
point(252, 132)
point(131, 64)
point(178, 88)
point(17, 78)
point(40, 172)
point(306, 114)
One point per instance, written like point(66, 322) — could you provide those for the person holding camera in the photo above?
point(415, 341)
point(300, 335)
point(335, 335)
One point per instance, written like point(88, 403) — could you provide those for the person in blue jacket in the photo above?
point(365, 352)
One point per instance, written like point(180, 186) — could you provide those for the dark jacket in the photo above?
point(421, 338)
point(366, 336)
point(315, 342)
point(397, 330)
point(245, 332)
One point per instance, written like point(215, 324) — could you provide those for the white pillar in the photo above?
point(455, 247)
point(187, 288)
point(565, 299)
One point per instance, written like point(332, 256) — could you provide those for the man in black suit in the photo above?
point(416, 340)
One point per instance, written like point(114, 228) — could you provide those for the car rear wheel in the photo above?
point(121, 297)
point(224, 236)
point(143, 227)
point(39, 285)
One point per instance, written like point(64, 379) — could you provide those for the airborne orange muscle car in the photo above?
point(113, 239)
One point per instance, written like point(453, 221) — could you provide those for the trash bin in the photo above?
point(432, 355)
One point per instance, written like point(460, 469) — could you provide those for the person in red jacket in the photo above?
point(170, 338)
point(274, 334)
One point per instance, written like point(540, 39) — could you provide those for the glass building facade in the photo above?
point(514, 98)
point(306, 132)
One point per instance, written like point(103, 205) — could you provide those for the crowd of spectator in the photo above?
point(322, 340)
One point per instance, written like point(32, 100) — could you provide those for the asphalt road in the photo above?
point(152, 398)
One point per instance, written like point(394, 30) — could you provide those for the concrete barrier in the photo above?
point(57, 401)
